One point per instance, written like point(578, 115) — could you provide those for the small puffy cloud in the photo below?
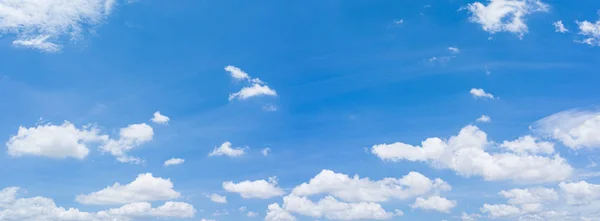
point(144, 209)
point(253, 91)
point(261, 189)
point(441, 60)
point(276, 213)
point(580, 193)
point(436, 203)
point(38, 24)
point(469, 217)
point(331, 208)
point(174, 161)
point(399, 22)
point(454, 50)
point(226, 150)
point(159, 118)
point(500, 210)
point(590, 31)
point(529, 144)
point(217, 198)
point(505, 15)
point(130, 137)
point(356, 189)
point(560, 27)
point(54, 141)
point(574, 128)
point(466, 154)
point(480, 93)
point(237, 73)
point(144, 188)
point(484, 119)
point(251, 214)
point(270, 108)
point(265, 151)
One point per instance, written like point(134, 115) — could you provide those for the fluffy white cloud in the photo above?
point(276, 213)
point(237, 73)
point(331, 208)
point(159, 118)
point(436, 203)
point(251, 214)
point(574, 128)
point(356, 189)
point(580, 193)
point(144, 188)
point(226, 150)
point(454, 50)
point(469, 217)
point(55, 141)
point(529, 144)
point(265, 152)
point(41, 208)
point(505, 15)
point(37, 23)
point(500, 210)
point(130, 137)
point(261, 189)
point(560, 27)
point(484, 119)
point(530, 196)
point(217, 198)
point(466, 154)
point(174, 161)
point(480, 93)
point(590, 31)
point(253, 91)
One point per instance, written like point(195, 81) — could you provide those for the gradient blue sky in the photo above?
point(348, 76)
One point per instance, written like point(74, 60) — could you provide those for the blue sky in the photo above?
point(346, 88)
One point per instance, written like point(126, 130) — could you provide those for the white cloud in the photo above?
point(237, 73)
point(220, 213)
point(203, 219)
point(500, 210)
point(399, 22)
point(331, 208)
point(276, 213)
point(55, 141)
point(560, 27)
point(574, 128)
point(37, 23)
point(434, 203)
point(270, 108)
point(251, 214)
point(261, 189)
point(469, 217)
point(253, 91)
point(159, 118)
point(505, 15)
point(484, 119)
point(580, 193)
point(41, 208)
point(226, 150)
point(217, 198)
point(454, 50)
point(144, 188)
point(466, 154)
point(537, 195)
point(356, 189)
point(480, 93)
point(442, 60)
point(265, 152)
point(529, 144)
point(130, 137)
point(590, 31)
point(174, 161)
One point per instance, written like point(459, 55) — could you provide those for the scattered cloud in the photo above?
point(174, 161)
point(261, 189)
point(253, 91)
point(265, 152)
point(399, 22)
point(436, 203)
point(466, 154)
point(576, 129)
point(505, 15)
point(54, 141)
point(159, 118)
point(217, 198)
point(484, 119)
point(276, 213)
point(130, 137)
point(590, 31)
point(454, 50)
point(331, 208)
point(270, 108)
point(237, 73)
point(226, 150)
point(480, 93)
point(356, 189)
point(560, 27)
point(251, 214)
point(143, 189)
point(40, 24)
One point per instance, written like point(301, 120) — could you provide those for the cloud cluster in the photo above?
point(257, 88)
point(505, 15)
point(261, 189)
